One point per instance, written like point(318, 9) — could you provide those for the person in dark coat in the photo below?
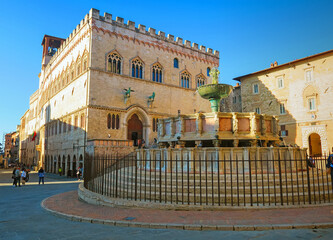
point(41, 175)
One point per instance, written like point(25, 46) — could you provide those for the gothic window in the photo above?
point(113, 121)
point(114, 63)
point(155, 124)
point(157, 73)
point(137, 68)
point(64, 127)
point(208, 71)
point(185, 79)
point(175, 63)
point(60, 126)
point(201, 80)
point(109, 121)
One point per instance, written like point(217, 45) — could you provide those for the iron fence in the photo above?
point(228, 182)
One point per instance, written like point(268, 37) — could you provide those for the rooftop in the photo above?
point(284, 65)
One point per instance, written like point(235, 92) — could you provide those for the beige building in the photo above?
point(233, 103)
point(300, 93)
point(104, 88)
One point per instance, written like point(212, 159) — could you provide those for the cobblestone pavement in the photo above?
point(250, 219)
point(22, 217)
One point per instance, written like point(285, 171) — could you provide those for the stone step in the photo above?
point(227, 199)
point(287, 189)
point(214, 175)
point(214, 181)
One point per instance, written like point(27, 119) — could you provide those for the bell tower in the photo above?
point(50, 46)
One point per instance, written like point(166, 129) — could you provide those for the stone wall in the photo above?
point(295, 93)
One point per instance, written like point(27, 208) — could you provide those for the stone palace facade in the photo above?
point(103, 89)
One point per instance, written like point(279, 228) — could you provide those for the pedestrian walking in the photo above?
point(41, 175)
point(23, 176)
point(14, 177)
point(17, 177)
point(60, 171)
point(78, 173)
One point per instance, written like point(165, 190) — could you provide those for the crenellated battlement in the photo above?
point(94, 13)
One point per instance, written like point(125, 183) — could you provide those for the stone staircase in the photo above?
point(209, 188)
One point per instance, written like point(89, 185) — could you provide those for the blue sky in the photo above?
point(249, 35)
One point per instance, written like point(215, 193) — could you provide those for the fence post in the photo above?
point(280, 178)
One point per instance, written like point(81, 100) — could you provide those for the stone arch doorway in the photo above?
point(315, 145)
point(135, 130)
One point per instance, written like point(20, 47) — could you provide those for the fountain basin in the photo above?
point(214, 93)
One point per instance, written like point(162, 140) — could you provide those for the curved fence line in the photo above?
point(229, 182)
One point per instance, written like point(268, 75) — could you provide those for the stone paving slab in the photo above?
point(68, 205)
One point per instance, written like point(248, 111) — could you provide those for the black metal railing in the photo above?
point(228, 182)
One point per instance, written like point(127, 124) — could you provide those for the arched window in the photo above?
point(185, 79)
point(208, 71)
point(137, 68)
point(109, 121)
point(113, 121)
point(175, 63)
point(117, 121)
point(114, 63)
point(155, 124)
point(157, 73)
point(201, 80)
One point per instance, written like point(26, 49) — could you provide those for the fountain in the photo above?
point(208, 160)
point(216, 91)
